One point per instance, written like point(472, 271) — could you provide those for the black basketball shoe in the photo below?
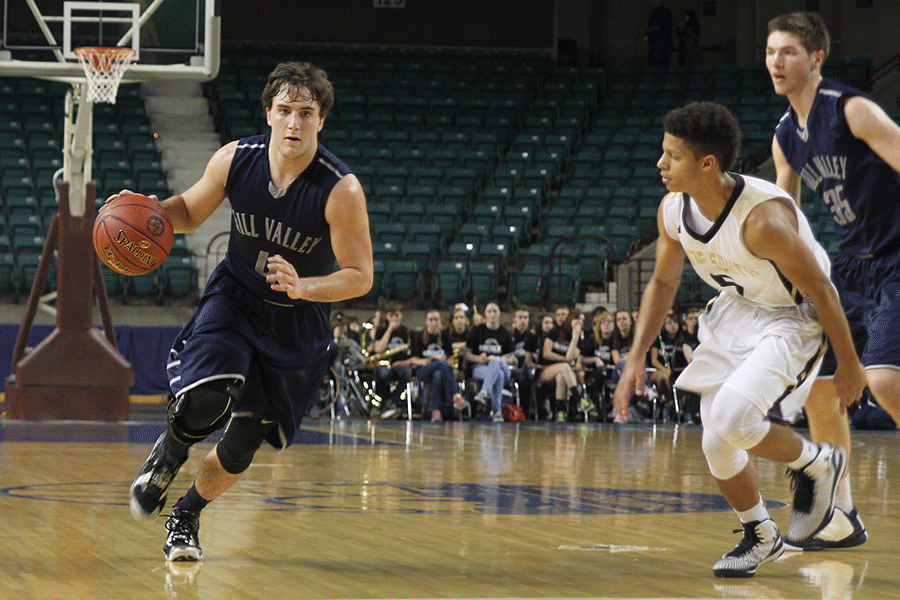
point(148, 492)
point(183, 543)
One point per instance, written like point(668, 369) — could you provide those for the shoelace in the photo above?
point(750, 539)
point(182, 525)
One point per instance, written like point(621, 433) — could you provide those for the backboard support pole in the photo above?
point(77, 372)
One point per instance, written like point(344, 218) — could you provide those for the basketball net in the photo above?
point(103, 68)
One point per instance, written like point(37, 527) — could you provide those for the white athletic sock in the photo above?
point(807, 454)
point(757, 513)
point(843, 498)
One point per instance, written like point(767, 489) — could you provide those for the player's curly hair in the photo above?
point(707, 128)
point(809, 28)
point(294, 76)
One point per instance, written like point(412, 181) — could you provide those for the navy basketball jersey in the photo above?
point(289, 221)
point(861, 191)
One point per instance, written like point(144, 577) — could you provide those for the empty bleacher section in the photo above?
point(31, 140)
point(489, 174)
point(458, 150)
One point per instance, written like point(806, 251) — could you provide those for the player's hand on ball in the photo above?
point(114, 196)
point(282, 277)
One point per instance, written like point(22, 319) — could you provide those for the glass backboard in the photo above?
point(174, 39)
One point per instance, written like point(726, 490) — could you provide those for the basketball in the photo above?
point(132, 234)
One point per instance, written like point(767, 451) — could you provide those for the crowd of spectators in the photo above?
point(559, 366)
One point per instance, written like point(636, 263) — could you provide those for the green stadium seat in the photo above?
point(402, 279)
point(483, 279)
point(527, 283)
point(180, 275)
point(419, 253)
point(506, 234)
point(146, 285)
point(379, 212)
point(24, 225)
point(450, 280)
point(446, 215)
point(487, 213)
point(520, 216)
point(460, 249)
point(27, 264)
point(28, 242)
point(564, 283)
point(387, 249)
point(473, 232)
point(7, 271)
point(432, 234)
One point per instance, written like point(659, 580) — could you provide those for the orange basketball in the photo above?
point(132, 234)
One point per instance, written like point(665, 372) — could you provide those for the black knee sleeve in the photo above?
point(202, 410)
point(241, 440)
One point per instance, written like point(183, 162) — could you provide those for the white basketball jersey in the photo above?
point(717, 250)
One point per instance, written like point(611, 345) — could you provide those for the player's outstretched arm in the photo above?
point(770, 232)
point(655, 304)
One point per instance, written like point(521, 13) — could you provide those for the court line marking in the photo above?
point(613, 548)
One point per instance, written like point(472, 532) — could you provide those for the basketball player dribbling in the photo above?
point(762, 338)
point(254, 353)
point(845, 148)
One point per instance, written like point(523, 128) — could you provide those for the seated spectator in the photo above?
point(354, 331)
point(668, 356)
point(392, 342)
point(547, 324)
point(559, 358)
point(560, 314)
point(429, 357)
point(525, 342)
point(456, 334)
point(596, 358)
point(623, 335)
point(689, 328)
point(490, 350)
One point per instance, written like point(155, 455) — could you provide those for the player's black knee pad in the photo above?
point(202, 410)
point(241, 440)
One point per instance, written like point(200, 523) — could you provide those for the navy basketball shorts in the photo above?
point(279, 353)
point(870, 294)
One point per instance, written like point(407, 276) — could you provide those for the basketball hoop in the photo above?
point(104, 68)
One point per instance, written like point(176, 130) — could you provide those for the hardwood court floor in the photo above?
point(421, 510)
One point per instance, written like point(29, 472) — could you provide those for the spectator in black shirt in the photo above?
point(395, 339)
point(525, 342)
point(430, 350)
point(490, 350)
point(596, 355)
point(560, 357)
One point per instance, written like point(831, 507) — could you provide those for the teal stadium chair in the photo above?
point(113, 281)
point(7, 272)
point(527, 282)
point(180, 275)
point(402, 279)
point(483, 279)
point(145, 286)
point(450, 281)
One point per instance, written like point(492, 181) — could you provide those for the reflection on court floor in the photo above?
point(359, 509)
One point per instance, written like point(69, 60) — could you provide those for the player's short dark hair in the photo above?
point(708, 128)
point(294, 76)
point(809, 28)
